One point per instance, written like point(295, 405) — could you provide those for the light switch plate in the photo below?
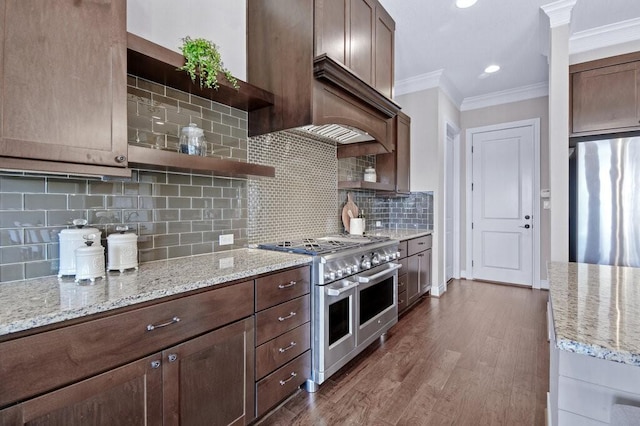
point(225, 239)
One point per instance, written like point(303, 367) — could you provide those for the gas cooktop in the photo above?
point(322, 245)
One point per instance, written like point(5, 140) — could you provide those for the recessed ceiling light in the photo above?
point(492, 68)
point(463, 4)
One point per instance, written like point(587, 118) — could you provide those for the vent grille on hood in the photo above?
point(339, 133)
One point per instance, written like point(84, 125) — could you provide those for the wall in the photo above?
point(166, 22)
point(516, 111)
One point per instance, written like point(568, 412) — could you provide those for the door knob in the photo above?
point(527, 217)
point(527, 226)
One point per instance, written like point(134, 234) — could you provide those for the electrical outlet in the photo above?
point(225, 239)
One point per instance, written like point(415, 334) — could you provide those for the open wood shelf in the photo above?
point(153, 62)
point(364, 185)
point(167, 160)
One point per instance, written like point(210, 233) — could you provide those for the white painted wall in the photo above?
point(166, 22)
point(430, 110)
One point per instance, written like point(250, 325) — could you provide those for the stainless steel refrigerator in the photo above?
point(604, 199)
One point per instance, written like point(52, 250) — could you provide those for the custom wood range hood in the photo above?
point(314, 95)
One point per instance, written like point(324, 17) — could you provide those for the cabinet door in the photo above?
point(403, 153)
point(384, 42)
point(209, 380)
point(129, 395)
point(63, 81)
point(361, 15)
point(413, 279)
point(606, 99)
point(425, 271)
point(331, 29)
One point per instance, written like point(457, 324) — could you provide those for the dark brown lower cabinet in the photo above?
point(413, 282)
point(208, 380)
point(128, 395)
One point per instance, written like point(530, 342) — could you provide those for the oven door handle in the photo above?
point(392, 268)
point(338, 291)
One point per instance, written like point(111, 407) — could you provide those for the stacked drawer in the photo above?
point(283, 360)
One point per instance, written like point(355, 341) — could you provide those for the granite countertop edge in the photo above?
point(28, 322)
point(596, 351)
point(401, 234)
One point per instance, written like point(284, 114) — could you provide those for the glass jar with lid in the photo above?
point(370, 174)
point(192, 140)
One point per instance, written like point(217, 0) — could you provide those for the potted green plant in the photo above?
point(203, 61)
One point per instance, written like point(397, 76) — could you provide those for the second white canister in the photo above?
point(90, 260)
point(70, 240)
point(122, 250)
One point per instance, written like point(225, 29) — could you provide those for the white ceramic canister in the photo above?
point(70, 240)
point(90, 260)
point(122, 250)
point(370, 175)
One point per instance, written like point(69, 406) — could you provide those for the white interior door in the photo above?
point(502, 194)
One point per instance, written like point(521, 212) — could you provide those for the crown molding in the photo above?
point(605, 36)
point(531, 91)
point(426, 81)
point(559, 12)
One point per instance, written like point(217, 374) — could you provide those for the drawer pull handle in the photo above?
point(421, 243)
point(291, 315)
point(291, 345)
point(284, 382)
point(291, 284)
point(173, 320)
point(155, 364)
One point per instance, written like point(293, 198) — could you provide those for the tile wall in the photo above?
point(177, 214)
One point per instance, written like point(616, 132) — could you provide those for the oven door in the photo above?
point(337, 326)
point(377, 302)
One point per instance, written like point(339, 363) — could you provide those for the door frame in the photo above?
point(455, 186)
point(535, 124)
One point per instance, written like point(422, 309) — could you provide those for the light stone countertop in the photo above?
point(400, 233)
point(38, 302)
point(596, 310)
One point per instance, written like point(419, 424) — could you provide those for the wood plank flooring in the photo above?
point(476, 356)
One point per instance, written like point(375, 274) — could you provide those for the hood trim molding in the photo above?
point(329, 71)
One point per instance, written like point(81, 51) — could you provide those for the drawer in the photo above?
point(282, 382)
point(274, 321)
point(402, 248)
point(277, 288)
point(402, 301)
point(37, 363)
point(402, 281)
point(282, 349)
point(419, 244)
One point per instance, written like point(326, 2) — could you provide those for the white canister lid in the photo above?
point(121, 236)
point(79, 231)
point(89, 249)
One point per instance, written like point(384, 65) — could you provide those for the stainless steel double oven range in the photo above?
point(353, 296)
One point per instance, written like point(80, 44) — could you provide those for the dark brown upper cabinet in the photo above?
point(63, 86)
point(319, 59)
point(605, 96)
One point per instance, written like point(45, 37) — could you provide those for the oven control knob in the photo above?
point(366, 264)
point(398, 254)
point(332, 275)
point(348, 270)
point(387, 258)
point(355, 267)
point(375, 260)
point(339, 273)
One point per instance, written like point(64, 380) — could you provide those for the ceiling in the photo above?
point(436, 40)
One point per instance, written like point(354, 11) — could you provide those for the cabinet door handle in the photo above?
point(421, 255)
point(120, 158)
point(291, 345)
point(284, 382)
point(291, 284)
point(172, 357)
point(151, 327)
point(155, 364)
point(291, 315)
point(421, 243)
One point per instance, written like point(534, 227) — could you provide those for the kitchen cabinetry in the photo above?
point(158, 64)
point(132, 365)
point(319, 62)
point(283, 359)
point(605, 96)
point(415, 275)
point(63, 102)
point(394, 168)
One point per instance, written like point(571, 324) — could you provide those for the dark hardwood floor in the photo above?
point(476, 356)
